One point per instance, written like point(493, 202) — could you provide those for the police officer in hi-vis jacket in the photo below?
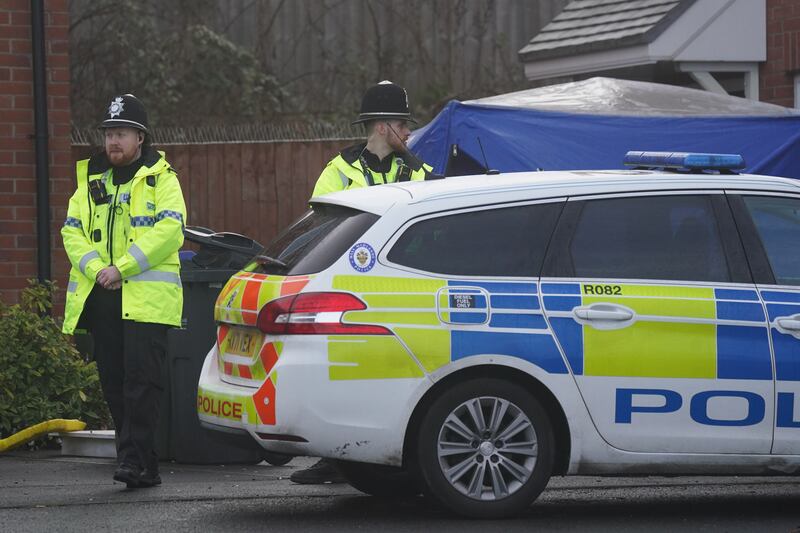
point(384, 158)
point(123, 230)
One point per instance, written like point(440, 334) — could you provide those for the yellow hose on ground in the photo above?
point(42, 428)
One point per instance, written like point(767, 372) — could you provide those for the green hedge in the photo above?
point(42, 375)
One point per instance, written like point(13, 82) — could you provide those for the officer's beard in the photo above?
point(118, 157)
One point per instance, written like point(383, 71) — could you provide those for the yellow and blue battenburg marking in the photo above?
point(787, 348)
point(516, 327)
point(469, 318)
point(408, 307)
point(679, 331)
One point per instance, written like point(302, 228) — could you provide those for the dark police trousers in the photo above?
point(129, 358)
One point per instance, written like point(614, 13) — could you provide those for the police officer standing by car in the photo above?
point(384, 158)
point(123, 230)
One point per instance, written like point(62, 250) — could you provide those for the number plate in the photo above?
point(243, 342)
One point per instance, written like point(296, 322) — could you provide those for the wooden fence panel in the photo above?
point(255, 189)
point(267, 212)
point(197, 193)
point(300, 192)
point(233, 185)
point(249, 194)
point(315, 165)
point(216, 190)
point(283, 181)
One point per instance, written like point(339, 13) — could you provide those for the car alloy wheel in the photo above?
point(485, 448)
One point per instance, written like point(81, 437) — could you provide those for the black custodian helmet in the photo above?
point(126, 111)
point(385, 100)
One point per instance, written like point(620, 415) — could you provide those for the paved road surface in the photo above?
point(44, 491)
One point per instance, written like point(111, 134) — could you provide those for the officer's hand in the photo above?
point(116, 286)
point(107, 277)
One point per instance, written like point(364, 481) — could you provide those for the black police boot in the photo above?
point(323, 471)
point(128, 474)
point(149, 478)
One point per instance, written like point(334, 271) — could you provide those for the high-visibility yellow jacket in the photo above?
point(345, 171)
point(139, 230)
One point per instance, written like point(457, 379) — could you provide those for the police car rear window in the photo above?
point(314, 241)
point(508, 241)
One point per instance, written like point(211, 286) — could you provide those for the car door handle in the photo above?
point(789, 323)
point(603, 312)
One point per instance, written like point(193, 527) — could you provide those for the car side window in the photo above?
point(777, 220)
point(649, 237)
point(508, 241)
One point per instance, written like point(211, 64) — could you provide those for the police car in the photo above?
point(472, 337)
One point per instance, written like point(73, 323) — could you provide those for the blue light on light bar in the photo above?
point(685, 160)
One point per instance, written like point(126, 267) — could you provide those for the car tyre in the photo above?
point(275, 458)
point(485, 448)
point(379, 480)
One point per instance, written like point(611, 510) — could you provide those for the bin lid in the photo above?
point(221, 250)
point(194, 274)
point(223, 239)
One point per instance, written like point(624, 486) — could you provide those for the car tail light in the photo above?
point(314, 313)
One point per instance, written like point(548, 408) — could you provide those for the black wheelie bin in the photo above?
point(203, 273)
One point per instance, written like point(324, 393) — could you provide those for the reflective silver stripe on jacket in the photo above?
point(155, 275)
point(86, 258)
point(72, 286)
point(345, 179)
point(141, 259)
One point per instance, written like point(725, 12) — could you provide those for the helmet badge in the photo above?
point(116, 107)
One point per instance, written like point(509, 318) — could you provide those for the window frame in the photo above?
point(754, 247)
point(558, 262)
point(390, 243)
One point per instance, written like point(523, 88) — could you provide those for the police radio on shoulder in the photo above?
point(685, 160)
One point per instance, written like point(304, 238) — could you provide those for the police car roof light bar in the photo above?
point(692, 161)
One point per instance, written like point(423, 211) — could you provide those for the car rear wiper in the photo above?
point(265, 259)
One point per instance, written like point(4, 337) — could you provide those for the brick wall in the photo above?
point(17, 156)
point(777, 74)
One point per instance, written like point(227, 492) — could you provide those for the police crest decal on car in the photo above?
point(362, 257)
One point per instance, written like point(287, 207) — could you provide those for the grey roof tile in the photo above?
point(605, 6)
point(636, 25)
point(578, 41)
point(606, 18)
point(589, 25)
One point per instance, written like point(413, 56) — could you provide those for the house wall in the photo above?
point(18, 245)
point(777, 76)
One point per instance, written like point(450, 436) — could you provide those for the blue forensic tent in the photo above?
point(593, 123)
